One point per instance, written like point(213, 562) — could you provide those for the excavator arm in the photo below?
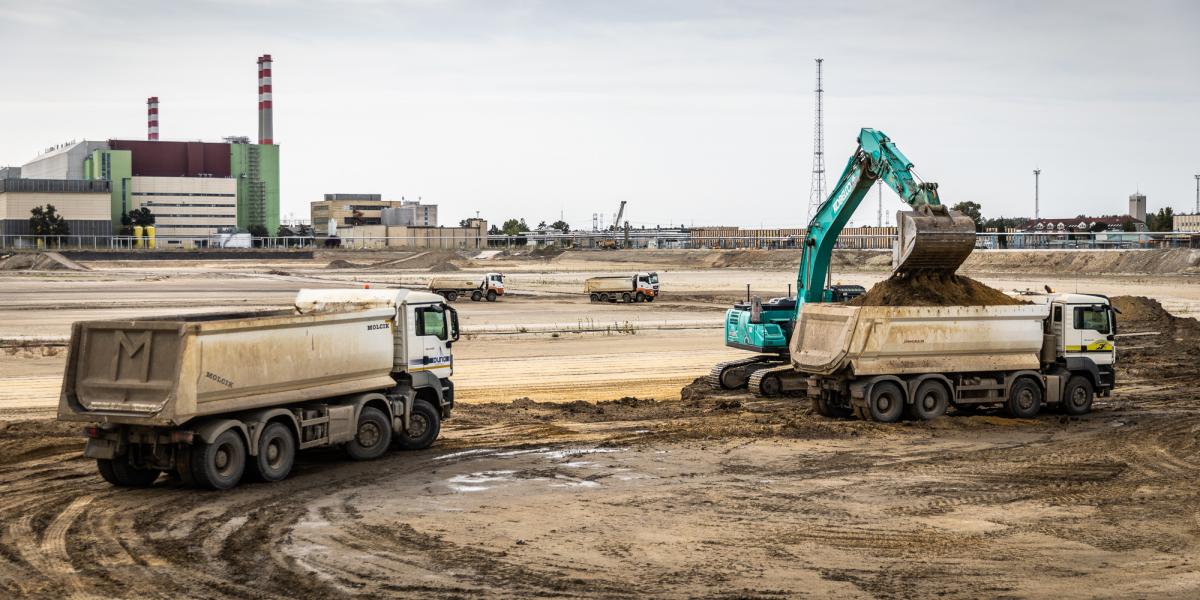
point(931, 237)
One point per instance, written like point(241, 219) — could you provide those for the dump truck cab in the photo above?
point(647, 283)
point(1081, 336)
point(494, 282)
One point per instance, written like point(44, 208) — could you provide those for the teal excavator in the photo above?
point(931, 238)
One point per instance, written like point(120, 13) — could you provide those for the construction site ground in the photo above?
point(583, 461)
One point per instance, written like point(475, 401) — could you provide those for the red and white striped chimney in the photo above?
point(152, 118)
point(265, 127)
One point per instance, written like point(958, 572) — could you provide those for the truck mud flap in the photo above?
point(105, 449)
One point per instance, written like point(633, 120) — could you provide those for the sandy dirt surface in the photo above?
point(563, 479)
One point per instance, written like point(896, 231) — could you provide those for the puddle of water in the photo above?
point(478, 482)
point(464, 453)
point(558, 454)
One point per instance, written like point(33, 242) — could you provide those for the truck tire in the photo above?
point(373, 436)
point(276, 453)
point(827, 409)
point(649, 298)
point(1077, 398)
point(886, 403)
point(930, 401)
point(491, 296)
point(425, 426)
point(219, 465)
point(626, 298)
point(451, 296)
point(1024, 399)
point(118, 471)
point(593, 298)
point(640, 297)
point(604, 297)
point(476, 295)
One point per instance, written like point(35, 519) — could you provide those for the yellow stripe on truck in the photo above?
point(1093, 347)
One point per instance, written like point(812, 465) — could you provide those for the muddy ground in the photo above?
point(714, 495)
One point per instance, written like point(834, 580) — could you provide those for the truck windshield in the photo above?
point(1092, 317)
point(431, 321)
point(653, 279)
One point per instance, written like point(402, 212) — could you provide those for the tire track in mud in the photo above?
point(169, 540)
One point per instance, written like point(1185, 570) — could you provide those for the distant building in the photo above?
point(1081, 224)
point(83, 204)
point(10, 172)
point(1188, 223)
point(734, 237)
point(169, 177)
point(472, 237)
point(350, 210)
point(1137, 206)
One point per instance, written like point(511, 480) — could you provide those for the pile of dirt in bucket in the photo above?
point(933, 290)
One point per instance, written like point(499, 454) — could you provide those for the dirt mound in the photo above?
point(547, 252)
point(1162, 346)
point(44, 261)
point(933, 290)
point(444, 267)
point(342, 264)
point(1086, 262)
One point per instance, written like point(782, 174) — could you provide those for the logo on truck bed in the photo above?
point(217, 378)
point(374, 326)
point(130, 348)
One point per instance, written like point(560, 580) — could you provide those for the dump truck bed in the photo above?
point(609, 283)
point(445, 283)
point(169, 370)
point(877, 340)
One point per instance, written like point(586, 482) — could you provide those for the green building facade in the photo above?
point(254, 166)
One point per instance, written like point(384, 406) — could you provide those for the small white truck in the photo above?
point(211, 397)
point(880, 362)
point(639, 287)
point(489, 288)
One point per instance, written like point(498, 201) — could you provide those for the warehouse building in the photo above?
point(83, 204)
point(351, 210)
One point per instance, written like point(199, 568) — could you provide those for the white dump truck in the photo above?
point(878, 362)
point(210, 397)
point(639, 287)
point(489, 287)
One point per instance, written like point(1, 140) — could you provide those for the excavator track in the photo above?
point(771, 381)
point(715, 375)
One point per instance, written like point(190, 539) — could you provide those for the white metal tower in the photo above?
point(817, 193)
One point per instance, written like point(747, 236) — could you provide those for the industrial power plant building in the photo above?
point(194, 189)
point(83, 204)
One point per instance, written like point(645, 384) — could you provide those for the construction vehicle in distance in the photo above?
point(639, 287)
point(212, 397)
point(882, 362)
point(932, 238)
point(489, 288)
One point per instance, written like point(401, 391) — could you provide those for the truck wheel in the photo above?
point(276, 453)
point(626, 298)
point(1077, 398)
point(593, 297)
point(491, 296)
point(930, 401)
point(373, 436)
point(220, 465)
point(1024, 399)
point(604, 297)
point(640, 297)
point(451, 296)
point(119, 472)
point(476, 296)
point(423, 429)
point(886, 403)
point(649, 298)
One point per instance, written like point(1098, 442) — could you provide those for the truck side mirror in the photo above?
point(453, 324)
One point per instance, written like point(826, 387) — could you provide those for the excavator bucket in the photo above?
point(932, 239)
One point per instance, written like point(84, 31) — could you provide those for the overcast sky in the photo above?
point(696, 112)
